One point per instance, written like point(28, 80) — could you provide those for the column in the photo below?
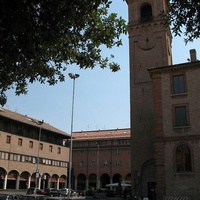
point(5, 182)
point(29, 181)
point(58, 184)
point(39, 182)
point(87, 184)
point(17, 182)
point(75, 184)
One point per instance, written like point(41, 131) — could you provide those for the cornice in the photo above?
point(177, 67)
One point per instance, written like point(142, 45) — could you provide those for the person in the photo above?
point(119, 189)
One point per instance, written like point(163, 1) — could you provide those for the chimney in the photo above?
point(193, 55)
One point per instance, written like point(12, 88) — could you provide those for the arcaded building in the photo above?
point(165, 108)
point(32, 153)
point(101, 157)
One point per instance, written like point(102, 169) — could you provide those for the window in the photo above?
point(4, 155)
point(59, 150)
point(117, 152)
point(81, 163)
point(34, 160)
point(41, 146)
point(93, 163)
point(146, 13)
point(181, 116)
point(63, 164)
point(8, 139)
point(81, 153)
point(120, 141)
point(11, 156)
point(18, 157)
point(28, 158)
point(50, 148)
point(31, 144)
point(47, 161)
point(19, 142)
point(93, 153)
point(105, 152)
point(23, 158)
point(178, 84)
point(105, 163)
point(183, 159)
point(116, 163)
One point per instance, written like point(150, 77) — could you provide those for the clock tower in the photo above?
point(149, 46)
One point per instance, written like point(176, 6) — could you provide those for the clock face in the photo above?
point(147, 41)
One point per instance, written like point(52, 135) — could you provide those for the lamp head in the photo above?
point(76, 75)
point(73, 76)
point(40, 122)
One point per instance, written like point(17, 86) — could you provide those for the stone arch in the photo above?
point(146, 12)
point(44, 180)
point(12, 179)
point(116, 178)
point(147, 175)
point(127, 178)
point(2, 177)
point(137, 30)
point(183, 158)
point(81, 182)
point(62, 181)
point(104, 179)
point(33, 180)
point(23, 180)
point(54, 181)
point(92, 180)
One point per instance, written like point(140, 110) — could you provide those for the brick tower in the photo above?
point(149, 46)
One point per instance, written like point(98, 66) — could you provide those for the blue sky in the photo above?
point(101, 96)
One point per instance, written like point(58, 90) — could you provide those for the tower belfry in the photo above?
point(149, 46)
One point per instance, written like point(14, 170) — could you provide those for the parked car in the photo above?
point(64, 192)
point(52, 192)
point(10, 197)
point(33, 190)
point(34, 197)
point(57, 198)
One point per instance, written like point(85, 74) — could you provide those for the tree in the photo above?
point(184, 17)
point(38, 39)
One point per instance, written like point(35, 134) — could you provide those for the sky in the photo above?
point(101, 100)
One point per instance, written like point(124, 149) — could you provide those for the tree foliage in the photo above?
point(38, 39)
point(184, 17)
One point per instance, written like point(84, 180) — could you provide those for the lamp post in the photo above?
point(98, 185)
point(72, 76)
point(38, 153)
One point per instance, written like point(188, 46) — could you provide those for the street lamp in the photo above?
point(72, 76)
point(38, 153)
point(98, 181)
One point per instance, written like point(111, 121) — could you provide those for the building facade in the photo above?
point(149, 46)
point(101, 157)
point(32, 153)
point(164, 108)
point(177, 129)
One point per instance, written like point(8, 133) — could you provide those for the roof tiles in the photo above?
point(102, 134)
point(28, 120)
